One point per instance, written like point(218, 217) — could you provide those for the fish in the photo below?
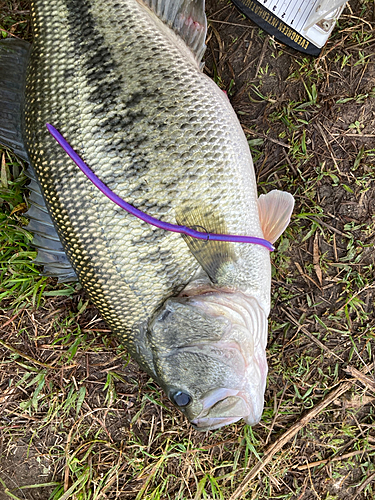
point(122, 81)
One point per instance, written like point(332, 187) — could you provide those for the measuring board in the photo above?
point(304, 25)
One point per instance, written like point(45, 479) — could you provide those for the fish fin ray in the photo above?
point(14, 58)
point(275, 209)
point(51, 253)
point(213, 256)
point(187, 18)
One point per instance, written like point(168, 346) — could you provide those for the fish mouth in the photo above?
point(210, 424)
point(222, 407)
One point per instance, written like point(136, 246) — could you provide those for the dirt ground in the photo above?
point(311, 126)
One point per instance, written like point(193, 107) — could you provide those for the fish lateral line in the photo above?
point(142, 215)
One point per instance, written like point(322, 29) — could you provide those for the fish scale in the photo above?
point(127, 93)
point(81, 113)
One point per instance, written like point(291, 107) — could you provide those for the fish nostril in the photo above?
point(165, 315)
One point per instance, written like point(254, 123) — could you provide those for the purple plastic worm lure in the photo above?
point(141, 215)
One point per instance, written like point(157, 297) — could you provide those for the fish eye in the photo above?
point(181, 399)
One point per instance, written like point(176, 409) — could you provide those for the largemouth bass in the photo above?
point(122, 81)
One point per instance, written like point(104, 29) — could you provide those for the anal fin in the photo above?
point(51, 253)
point(14, 58)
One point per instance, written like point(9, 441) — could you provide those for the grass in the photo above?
point(20, 280)
point(79, 420)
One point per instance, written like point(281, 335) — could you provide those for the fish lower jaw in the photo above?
point(223, 412)
point(225, 406)
point(210, 424)
point(241, 409)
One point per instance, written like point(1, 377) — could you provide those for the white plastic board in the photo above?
point(303, 24)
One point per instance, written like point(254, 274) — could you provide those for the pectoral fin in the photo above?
point(213, 256)
point(275, 209)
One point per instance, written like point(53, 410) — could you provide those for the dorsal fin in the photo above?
point(187, 18)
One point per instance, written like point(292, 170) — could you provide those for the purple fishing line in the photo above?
point(141, 215)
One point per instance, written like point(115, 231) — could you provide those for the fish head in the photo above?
point(209, 356)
